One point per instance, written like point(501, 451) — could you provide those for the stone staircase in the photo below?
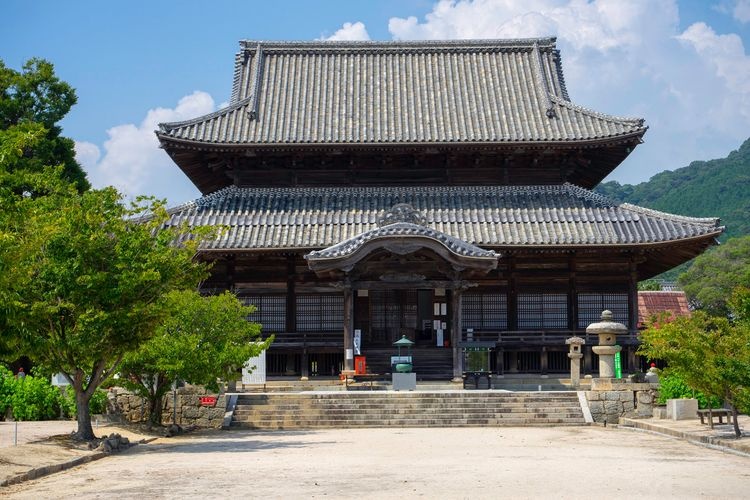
point(406, 409)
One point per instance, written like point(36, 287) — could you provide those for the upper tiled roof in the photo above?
point(481, 91)
point(486, 216)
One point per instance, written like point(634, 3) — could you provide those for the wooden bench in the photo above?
point(352, 376)
point(713, 413)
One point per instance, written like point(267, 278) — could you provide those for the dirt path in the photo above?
point(573, 462)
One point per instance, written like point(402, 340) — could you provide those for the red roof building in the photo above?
point(656, 304)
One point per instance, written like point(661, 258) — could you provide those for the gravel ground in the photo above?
point(562, 462)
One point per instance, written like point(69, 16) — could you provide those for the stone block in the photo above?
point(611, 396)
point(682, 409)
point(645, 410)
point(596, 407)
point(189, 412)
point(593, 395)
point(659, 412)
point(628, 406)
point(626, 396)
point(645, 397)
point(613, 408)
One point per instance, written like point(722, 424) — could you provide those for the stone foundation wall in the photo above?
point(610, 399)
point(133, 408)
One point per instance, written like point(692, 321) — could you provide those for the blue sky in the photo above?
point(684, 66)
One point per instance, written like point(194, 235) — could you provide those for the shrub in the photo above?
point(7, 387)
point(97, 403)
point(673, 387)
point(34, 398)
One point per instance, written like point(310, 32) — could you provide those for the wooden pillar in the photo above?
point(456, 295)
point(633, 297)
point(587, 366)
point(512, 294)
point(543, 361)
point(291, 297)
point(305, 368)
point(230, 273)
point(572, 294)
point(500, 360)
point(348, 328)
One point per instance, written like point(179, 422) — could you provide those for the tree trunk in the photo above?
point(155, 409)
point(737, 431)
point(85, 431)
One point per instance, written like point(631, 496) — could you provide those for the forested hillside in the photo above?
point(715, 188)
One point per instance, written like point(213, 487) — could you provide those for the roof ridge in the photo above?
point(532, 188)
point(526, 43)
point(603, 116)
point(167, 126)
point(708, 221)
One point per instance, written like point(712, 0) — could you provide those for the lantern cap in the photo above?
point(403, 341)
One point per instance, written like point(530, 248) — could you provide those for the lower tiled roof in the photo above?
point(487, 216)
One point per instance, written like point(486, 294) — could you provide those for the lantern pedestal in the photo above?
point(404, 381)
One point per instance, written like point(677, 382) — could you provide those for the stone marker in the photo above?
point(682, 409)
point(575, 356)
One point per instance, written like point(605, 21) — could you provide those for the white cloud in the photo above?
point(624, 58)
point(725, 54)
point(741, 11)
point(132, 160)
point(350, 31)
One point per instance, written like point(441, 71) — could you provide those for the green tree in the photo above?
point(714, 275)
point(711, 354)
point(649, 286)
point(200, 340)
point(89, 275)
point(16, 209)
point(35, 100)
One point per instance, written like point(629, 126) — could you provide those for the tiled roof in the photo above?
point(480, 91)
point(486, 216)
point(455, 245)
point(657, 303)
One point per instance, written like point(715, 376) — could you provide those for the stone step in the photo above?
point(441, 409)
point(421, 423)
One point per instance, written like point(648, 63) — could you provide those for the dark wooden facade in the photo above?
point(529, 305)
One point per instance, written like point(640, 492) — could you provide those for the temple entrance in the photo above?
point(386, 315)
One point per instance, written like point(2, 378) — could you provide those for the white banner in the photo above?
point(254, 371)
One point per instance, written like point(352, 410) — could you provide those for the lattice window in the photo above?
point(270, 311)
point(320, 313)
point(591, 305)
point(542, 310)
point(484, 311)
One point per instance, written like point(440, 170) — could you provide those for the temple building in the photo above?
point(435, 189)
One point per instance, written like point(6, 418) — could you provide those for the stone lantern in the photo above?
point(608, 330)
point(575, 356)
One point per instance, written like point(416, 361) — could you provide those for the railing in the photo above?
point(315, 339)
point(542, 337)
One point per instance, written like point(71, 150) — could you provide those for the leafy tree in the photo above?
point(88, 277)
point(711, 354)
point(714, 275)
point(34, 100)
point(649, 286)
point(200, 340)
